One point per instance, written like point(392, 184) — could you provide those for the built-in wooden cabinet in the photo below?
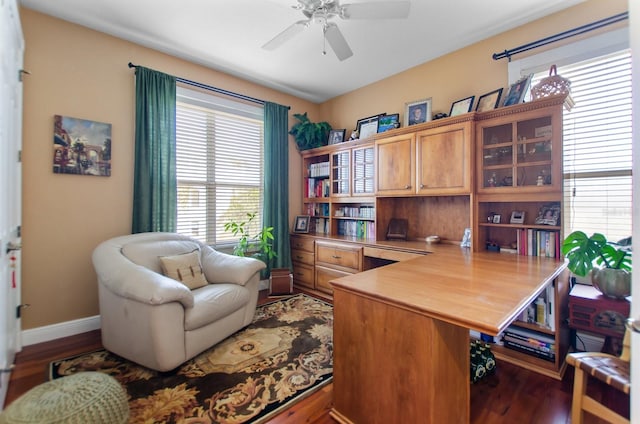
point(519, 179)
point(396, 165)
point(558, 332)
point(476, 171)
point(303, 260)
point(444, 159)
point(334, 260)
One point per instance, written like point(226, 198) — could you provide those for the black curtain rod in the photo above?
point(561, 36)
point(215, 89)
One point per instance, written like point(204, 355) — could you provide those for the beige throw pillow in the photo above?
point(185, 268)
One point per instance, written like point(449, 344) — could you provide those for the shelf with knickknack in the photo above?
point(518, 178)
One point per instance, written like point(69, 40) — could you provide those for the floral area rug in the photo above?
point(283, 356)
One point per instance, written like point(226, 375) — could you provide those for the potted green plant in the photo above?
point(259, 246)
point(309, 134)
point(610, 267)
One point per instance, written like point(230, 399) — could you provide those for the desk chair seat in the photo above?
point(609, 369)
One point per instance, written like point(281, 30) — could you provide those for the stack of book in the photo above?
point(531, 342)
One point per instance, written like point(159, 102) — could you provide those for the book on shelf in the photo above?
point(526, 333)
point(357, 228)
point(549, 356)
point(320, 169)
point(551, 304)
point(534, 242)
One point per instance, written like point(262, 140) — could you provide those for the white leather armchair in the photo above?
point(159, 322)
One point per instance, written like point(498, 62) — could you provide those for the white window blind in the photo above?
point(219, 150)
point(597, 146)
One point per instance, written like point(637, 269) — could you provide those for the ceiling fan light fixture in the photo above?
point(322, 11)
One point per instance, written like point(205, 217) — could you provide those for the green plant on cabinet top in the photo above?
point(309, 135)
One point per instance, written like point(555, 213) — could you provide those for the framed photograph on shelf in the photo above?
point(517, 91)
point(489, 101)
point(549, 215)
point(302, 224)
point(417, 112)
point(368, 126)
point(517, 217)
point(336, 136)
point(496, 218)
point(462, 106)
point(388, 122)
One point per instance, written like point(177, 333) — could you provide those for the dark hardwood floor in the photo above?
point(512, 395)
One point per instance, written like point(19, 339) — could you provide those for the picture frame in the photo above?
point(517, 217)
point(462, 106)
point(388, 122)
point(549, 215)
point(336, 136)
point(301, 224)
point(368, 126)
point(417, 112)
point(517, 91)
point(489, 101)
point(496, 218)
point(81, 146)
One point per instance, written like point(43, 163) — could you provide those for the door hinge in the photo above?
point(19, 156)
point(21, 73)
point(19, 309)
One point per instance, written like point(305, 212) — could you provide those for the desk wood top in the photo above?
point(482, 291)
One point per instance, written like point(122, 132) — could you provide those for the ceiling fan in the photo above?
point(322, 11)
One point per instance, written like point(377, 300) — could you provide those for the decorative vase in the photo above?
point(614, 283)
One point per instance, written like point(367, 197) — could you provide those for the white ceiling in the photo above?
point(227, 35)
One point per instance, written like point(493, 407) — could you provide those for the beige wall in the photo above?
point(82, 73)
point(466, 72)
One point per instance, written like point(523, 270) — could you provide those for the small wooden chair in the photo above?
point(612, 370)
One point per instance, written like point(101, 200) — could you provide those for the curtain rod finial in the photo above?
point(131, 65)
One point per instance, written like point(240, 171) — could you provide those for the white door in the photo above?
point(11, 54)
point(634, 36)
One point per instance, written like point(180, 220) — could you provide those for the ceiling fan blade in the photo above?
point(376, 10)
point(285, 35)
point(337, 42)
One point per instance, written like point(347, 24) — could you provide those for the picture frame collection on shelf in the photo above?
point(420, 111)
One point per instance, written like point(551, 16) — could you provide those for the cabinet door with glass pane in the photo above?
point(521, 152)
point(341, 173)
point(363, 170)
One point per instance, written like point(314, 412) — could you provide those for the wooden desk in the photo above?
point(401, 332)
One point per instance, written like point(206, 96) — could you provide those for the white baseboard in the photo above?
point(62, 329)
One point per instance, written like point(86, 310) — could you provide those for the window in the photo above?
point(219, 151)
point(597, 139)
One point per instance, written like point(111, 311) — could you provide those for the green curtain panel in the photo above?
point(276, 180)
point(154, 184)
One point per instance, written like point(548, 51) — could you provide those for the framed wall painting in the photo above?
point(81, 147)
point(388, 122)
point(336, 136)
point(302, 224)
point(368, 126)
point(489, 101)
point(417, 112)
point(462, 106)
point(518, 90)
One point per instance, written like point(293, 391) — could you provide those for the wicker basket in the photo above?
point(552, 85)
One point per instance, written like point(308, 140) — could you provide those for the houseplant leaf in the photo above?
point(581, 250)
